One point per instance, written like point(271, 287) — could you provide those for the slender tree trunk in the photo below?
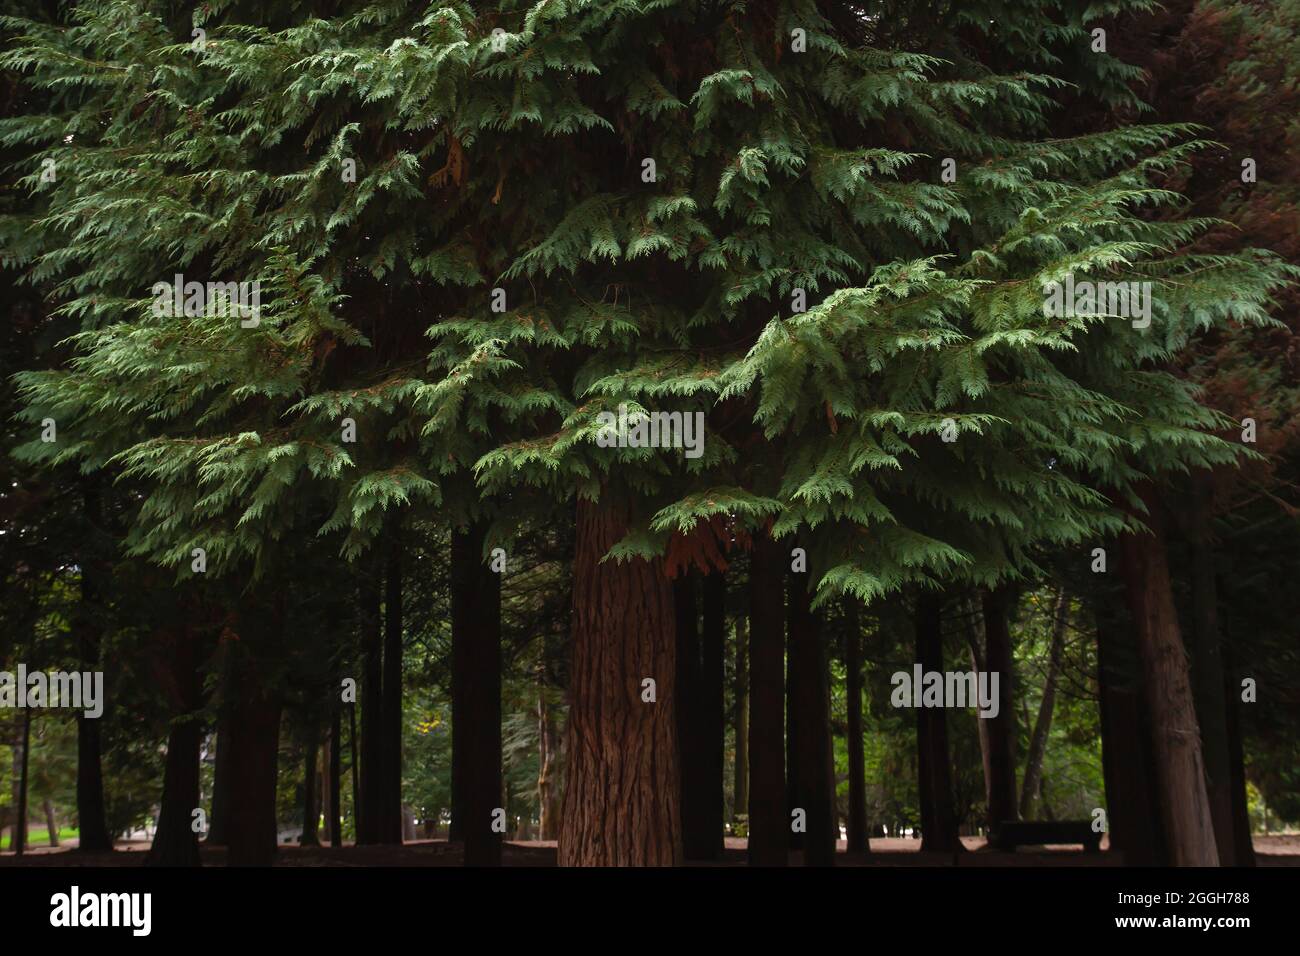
point(255, 747)
point(712, 716)
point(389, 814)
point(547, 792)
point(620, 800)
point(809, 696)
point(92, 820)
point(1043, 725)
point(370, 812)
point(977, 663)
point(20, 821)
point(857, 834)
point(334, 788)
point(222, 783)
point(1242, 842)
point(982, 728)
point(795, 717)
point(769, 822)
point(477, 785)
point(938, 815)
point(1127, 765)
point(740, 802)
point(1207, 670)
point(701, 839)
point(51, 824)
point(1000, 780)
point(687, 692)
point(1180, 770)
point(310, 774)
point(355, 770)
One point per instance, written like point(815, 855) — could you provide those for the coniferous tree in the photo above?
point(733, 211)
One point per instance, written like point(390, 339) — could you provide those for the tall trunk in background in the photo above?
point(1207, 669)
point(740, 793)
point(51, 825)
point(712, 706)
point(547, 791)
point(620, 798)
point(1043, 724)
point(858, 841)
point(1126, 759)
point(222, 782)
point(809, 697)
point(175, 843)
point(355, 754)
point(1000, 731)
point(699, 710)
point(334, 786)
point(20, 820)
point(310, 774)
point(687, 692)
point(769, 822)
point(934, 771)
point(370, 811)
point(389, 815)
point(323, 781)
point(255, 747)
point(1242, 842)
point(794, 719)
point(477, 787)
point(1180, 769)
point(92, 820)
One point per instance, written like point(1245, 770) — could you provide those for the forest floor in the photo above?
point(1278, 850)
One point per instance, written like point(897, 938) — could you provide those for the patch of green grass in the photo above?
point(38, 836)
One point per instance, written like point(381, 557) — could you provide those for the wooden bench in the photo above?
point(1013, 833)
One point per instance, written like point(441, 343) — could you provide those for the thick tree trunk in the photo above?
point(1043, 724)
point(1127, 764)
point(255, 748)
point(175, 843)
point(620, 801)
point(310, 774)
point(20, 820)
point(389, 814)
point(769, 821)
point(858, 841)
point(1000, 731)
point(740, 801)
point(477, 788)
point(934, 772)
point(334, 787)
point(1207, 670)
point(1180, 770)
point(809, 697)
point(370, 812)
point(92, 821)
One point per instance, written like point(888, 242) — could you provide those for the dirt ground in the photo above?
point(1282, 850)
